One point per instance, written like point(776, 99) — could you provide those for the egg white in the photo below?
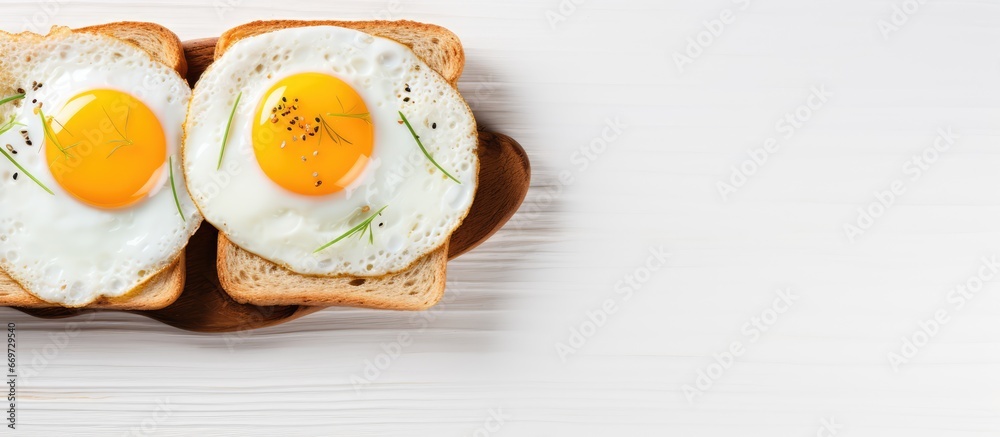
point(423, 206)
point(62, 250)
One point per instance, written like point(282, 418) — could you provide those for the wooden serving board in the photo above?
point(504, 175)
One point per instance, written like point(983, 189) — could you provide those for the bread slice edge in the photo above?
point(166, 286)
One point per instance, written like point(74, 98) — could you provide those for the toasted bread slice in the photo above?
point(249, 278)
point(166, 286)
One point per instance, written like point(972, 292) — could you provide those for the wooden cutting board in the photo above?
point(504, 176)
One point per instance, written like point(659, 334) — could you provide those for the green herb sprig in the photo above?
point(331, 132)
point(346, 113)
point(47, 128)
point(361, 116)
point(3, 129)
point(426, 153)
point(177, 200)
point(360, 229)
point(229, 124)
point(125, 141)
point(12, 98)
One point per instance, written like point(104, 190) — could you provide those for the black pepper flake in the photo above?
point(406, 99)
point(434, 125)
point(289, 128)
point(34, 100)
point(407, 88)
point(284, 99)
point(318, 183)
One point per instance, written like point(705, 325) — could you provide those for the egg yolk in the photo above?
point(313, 134)
point(105, 148)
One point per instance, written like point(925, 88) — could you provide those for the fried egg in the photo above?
point(93, 197)
point(297, 150)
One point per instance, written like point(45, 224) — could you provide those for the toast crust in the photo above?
point(249, 278)
point(435, 45)
point(163, 288)
point(158, 41)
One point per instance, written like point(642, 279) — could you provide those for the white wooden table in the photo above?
point(781, 310)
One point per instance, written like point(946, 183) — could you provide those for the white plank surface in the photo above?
point(492, 347)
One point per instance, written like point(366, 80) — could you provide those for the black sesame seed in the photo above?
point(20, 90)
point(284, 99)
point(407, 88)
point(317, 119)
point(406, 99)
point(15, 176)
point(434, 125)
point(289, 128)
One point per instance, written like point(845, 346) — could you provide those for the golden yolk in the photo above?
point(313, 134)
point(106, 148)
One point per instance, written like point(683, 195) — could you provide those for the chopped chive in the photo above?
point(125, 141)
point(173, 188)
point(225, 136)
point(362, 227)
point(363, 116)
point(3, 129)
point(426, 153)
point(51, 135)
point(12, 98)
point(12, 161)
